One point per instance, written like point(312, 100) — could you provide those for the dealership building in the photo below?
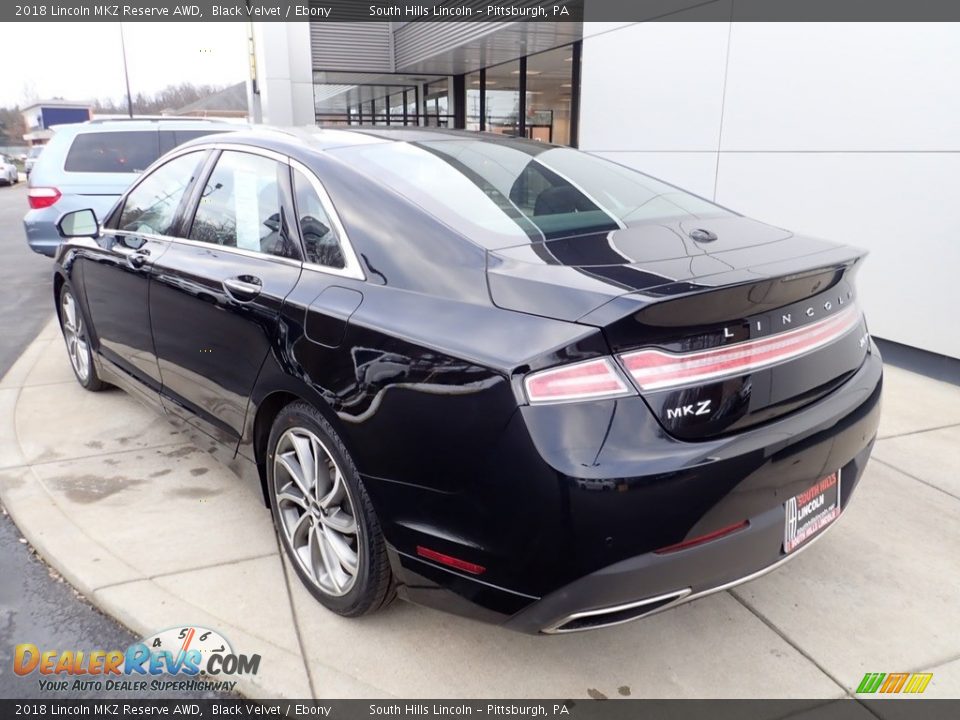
point(847, 131)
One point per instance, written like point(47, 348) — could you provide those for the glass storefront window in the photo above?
point(473, 101)
point(396, 108)
point(437, 106)
point(503, 98)
point(549, 90)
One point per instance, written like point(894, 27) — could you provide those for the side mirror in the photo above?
point(79, 223)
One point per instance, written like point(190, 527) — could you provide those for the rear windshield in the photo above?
point(113, 152)
point(503, 192)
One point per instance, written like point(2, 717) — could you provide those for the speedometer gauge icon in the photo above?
point(178, 640)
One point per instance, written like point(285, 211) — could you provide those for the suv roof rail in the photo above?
point(166, 118)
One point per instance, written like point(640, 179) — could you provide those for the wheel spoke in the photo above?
point(333, 498)
point(308, 463)
point(292, 466)
point(346, 555)
point(297, 530)
point(71, 311)
point(319, 558)
point(324, 475)
point(291, 494)
point(340, 522)
point(331, 562)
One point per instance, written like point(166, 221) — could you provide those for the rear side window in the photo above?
point(151, 207)
point(320, 240)
point(112, 152)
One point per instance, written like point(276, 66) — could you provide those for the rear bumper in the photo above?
point(40, 227)
point(593, 556)
point(644, 585)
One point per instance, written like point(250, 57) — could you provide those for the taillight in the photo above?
point(41, 197)
point(657, 370)
point(701, 539)
point(450, 561)
point(590, 380)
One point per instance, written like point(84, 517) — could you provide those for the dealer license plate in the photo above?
point(811, 511)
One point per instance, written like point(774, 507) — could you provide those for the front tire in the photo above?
point(323, 515)
point(78, 342)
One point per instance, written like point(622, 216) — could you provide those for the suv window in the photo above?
point(152, 206)
point(112, 152)
point(240, 206)
point(320, 240)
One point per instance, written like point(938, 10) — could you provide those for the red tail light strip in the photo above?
point(702, 539)
point(588, 380)
point(656, 369)
point(450, 561)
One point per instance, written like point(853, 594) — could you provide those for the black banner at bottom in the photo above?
point(621, 709)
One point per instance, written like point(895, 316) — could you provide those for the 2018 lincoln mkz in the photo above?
point(503, 378)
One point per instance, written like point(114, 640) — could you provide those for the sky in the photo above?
point(82, 61)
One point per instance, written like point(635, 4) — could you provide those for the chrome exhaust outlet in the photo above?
point(616, 615)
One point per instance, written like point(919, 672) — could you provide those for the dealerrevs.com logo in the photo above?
point(179, 659)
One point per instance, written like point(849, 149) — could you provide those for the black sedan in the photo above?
point(490, 375)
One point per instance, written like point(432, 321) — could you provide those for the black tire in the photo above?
point(372, 583)
point(84, 370)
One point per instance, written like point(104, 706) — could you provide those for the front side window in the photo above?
point(112, 152)
point(240, 206)
point(321, 243)
point(151, 206)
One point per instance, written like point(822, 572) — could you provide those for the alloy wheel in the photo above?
point(75, 336)
point(316, 511)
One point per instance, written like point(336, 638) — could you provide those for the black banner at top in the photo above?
point(479, 10)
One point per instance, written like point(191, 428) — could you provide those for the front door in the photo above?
point(116, 274)
point(217, 293)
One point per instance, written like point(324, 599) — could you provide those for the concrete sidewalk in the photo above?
point(158, 534)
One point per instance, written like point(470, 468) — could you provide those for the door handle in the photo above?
point(243, 288)
point(138, 259)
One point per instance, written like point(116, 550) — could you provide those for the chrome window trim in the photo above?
point(200, 244)
point(351, 268)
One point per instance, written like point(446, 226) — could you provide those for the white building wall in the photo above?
point(848, 131)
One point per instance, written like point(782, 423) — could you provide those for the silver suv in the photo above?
point(89, 165)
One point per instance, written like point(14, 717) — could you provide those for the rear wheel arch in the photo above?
point(267, 410)
point(58, 282)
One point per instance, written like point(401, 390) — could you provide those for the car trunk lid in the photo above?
point(738, 328)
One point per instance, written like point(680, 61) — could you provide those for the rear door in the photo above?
point(217, 291)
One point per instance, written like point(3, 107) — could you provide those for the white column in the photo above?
point(284, 72)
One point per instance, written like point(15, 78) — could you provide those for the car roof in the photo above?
point(290, 140)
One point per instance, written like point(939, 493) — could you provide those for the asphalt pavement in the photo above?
point(36, 605)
